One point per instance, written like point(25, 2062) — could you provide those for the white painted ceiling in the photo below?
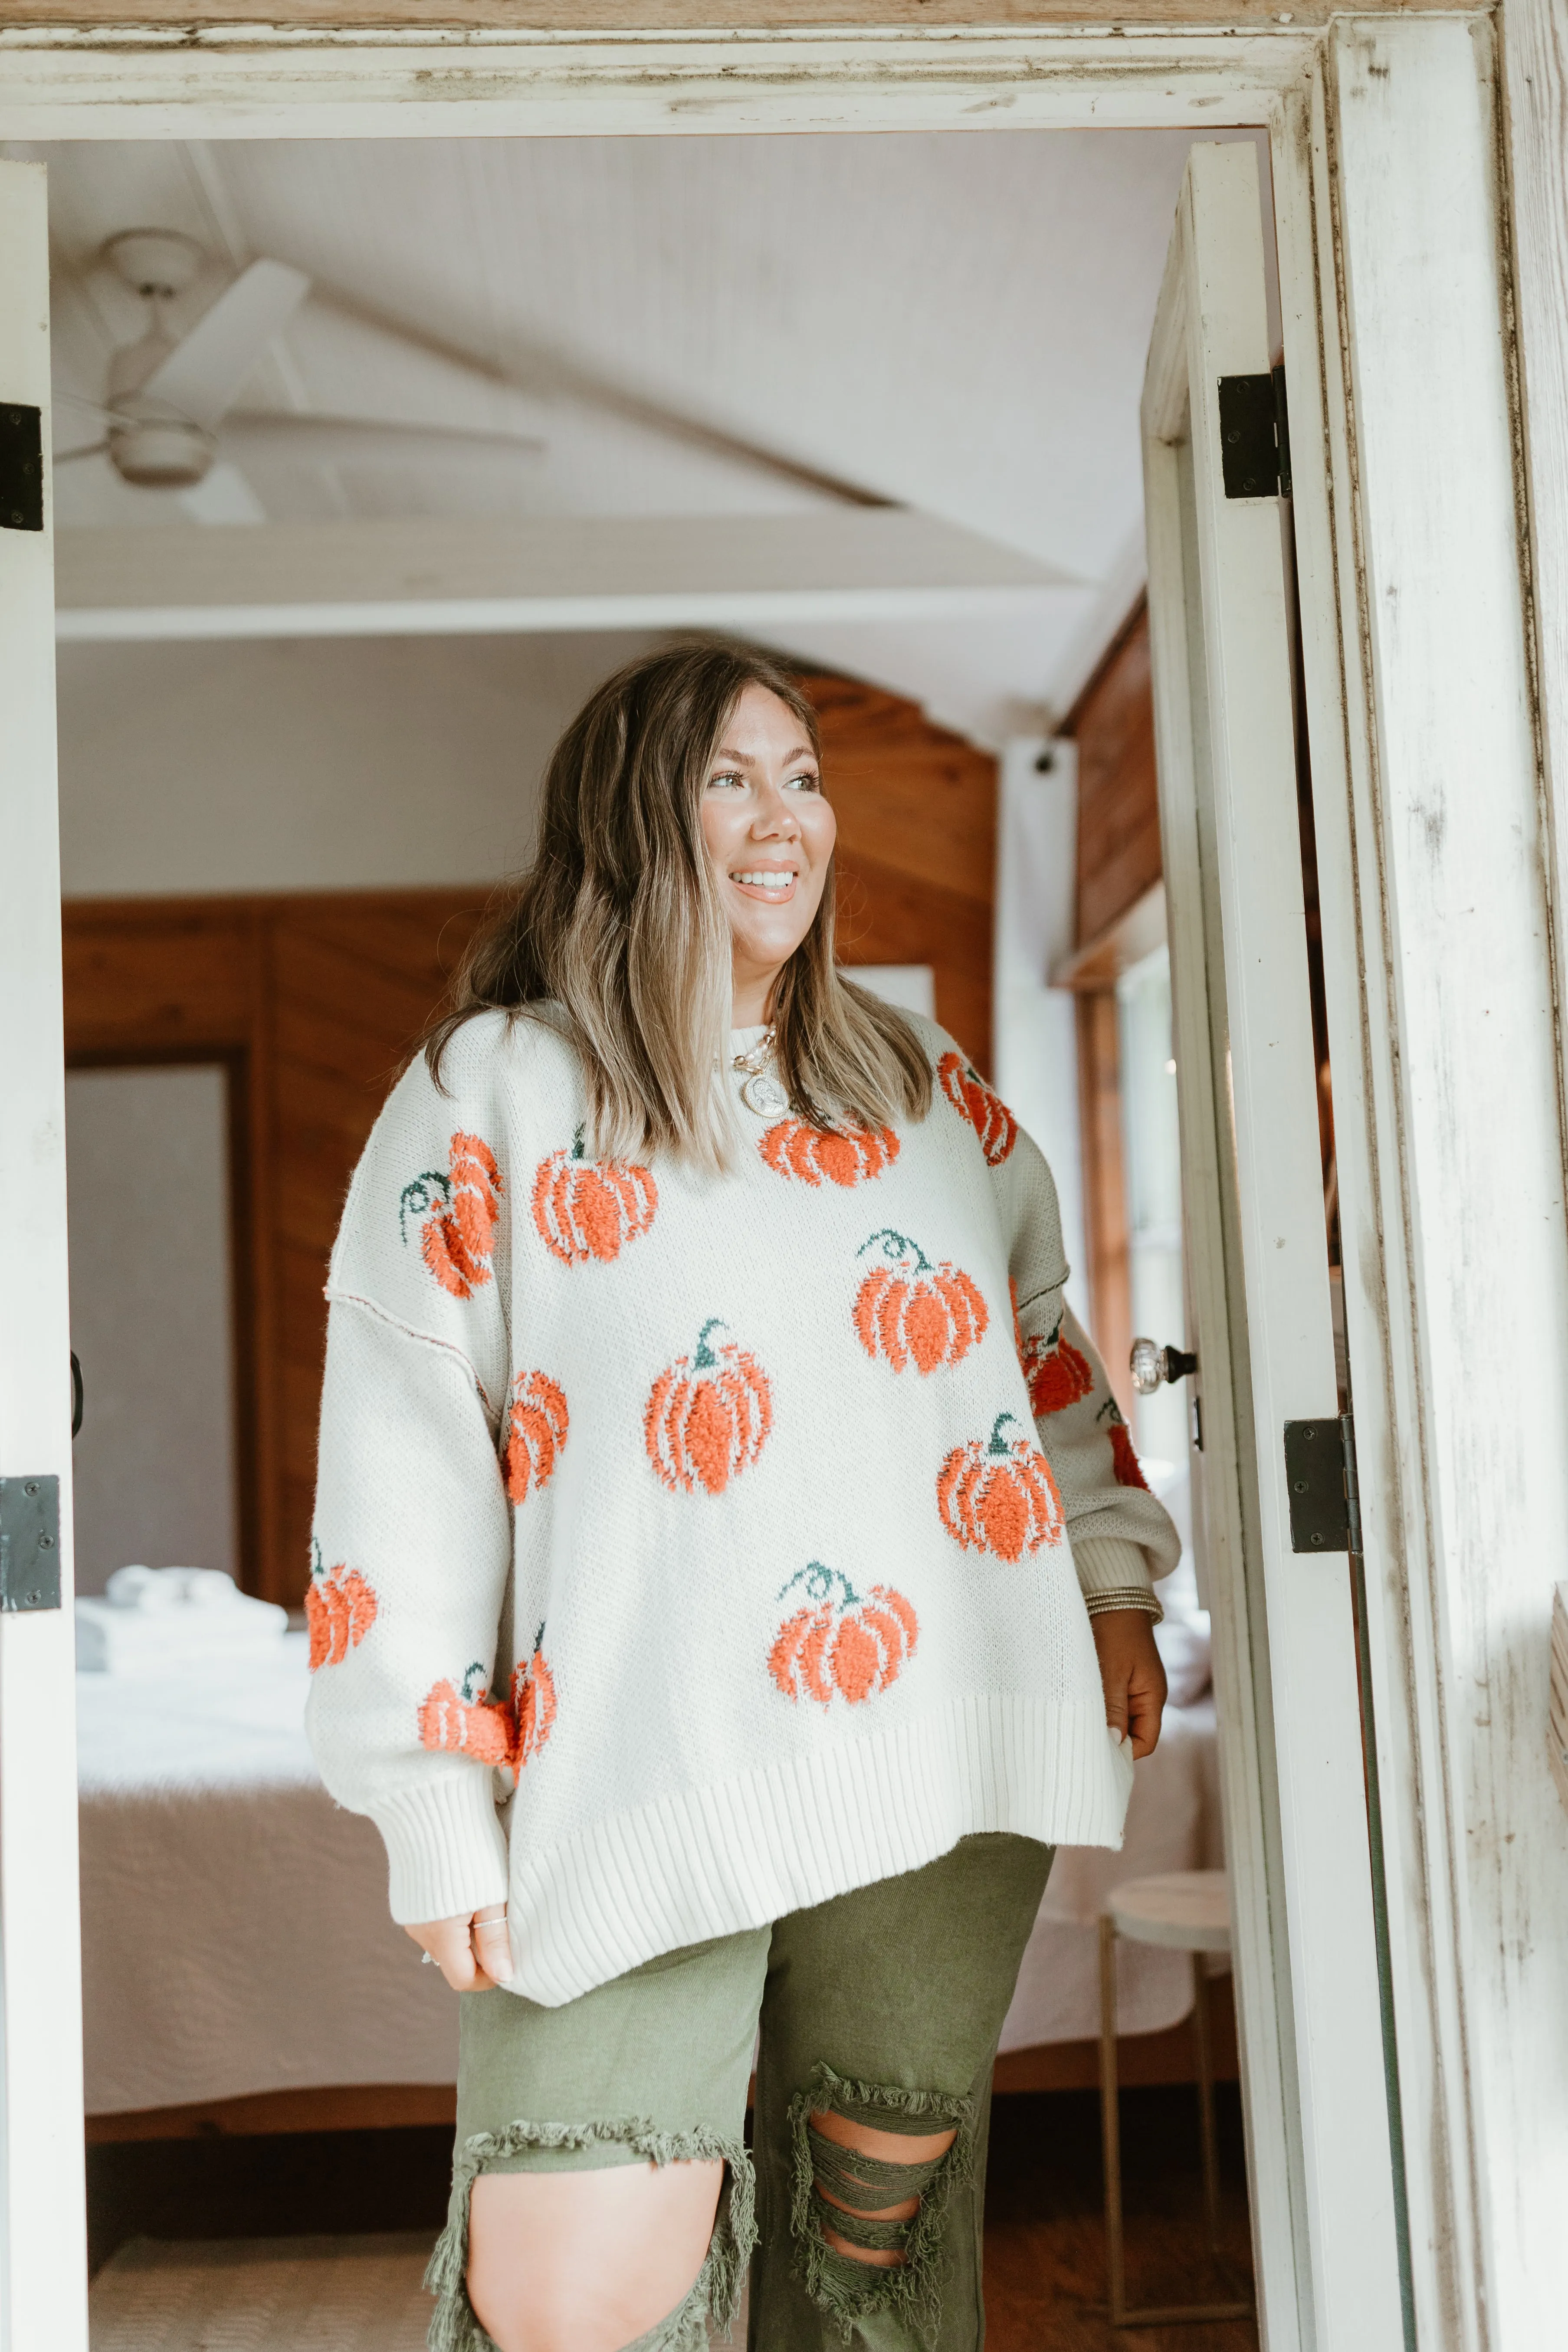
point(952, 322)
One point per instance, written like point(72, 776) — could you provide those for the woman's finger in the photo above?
point(447, 1942)
point(492, 1944)
point(1146, 1709)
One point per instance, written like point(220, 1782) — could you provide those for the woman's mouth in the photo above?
point(774, 886)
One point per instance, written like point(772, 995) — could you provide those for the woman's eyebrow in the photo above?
point(747, 760)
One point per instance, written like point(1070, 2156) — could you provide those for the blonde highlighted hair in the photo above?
point(618, 924)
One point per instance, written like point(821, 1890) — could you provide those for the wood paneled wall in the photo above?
point(312, 1001)
point(1118, 791)
point(917, 848)
point(1119, 861)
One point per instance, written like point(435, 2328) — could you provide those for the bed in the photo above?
point(240, 1971)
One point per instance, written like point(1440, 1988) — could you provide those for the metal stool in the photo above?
point(1185, 1911)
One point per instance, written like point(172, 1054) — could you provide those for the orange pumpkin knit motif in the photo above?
point(467, 1722)
point(533, 1705)
point(1058, 1373)
point(535, 1434)
point(1123, 1460)
point(844, 1155)
point(340, 1609)
point(456, 1214)
point(591, 1208)
point(840, 1642)
point(908, 1311)
point(708, 1415)
point(998, 1496)
point(986, 1112)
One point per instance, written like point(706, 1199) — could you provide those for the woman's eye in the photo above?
point(806, 783)
point(727, 779)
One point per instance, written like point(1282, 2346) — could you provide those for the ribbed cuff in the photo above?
point(446, 1849)
point(1114, 1574)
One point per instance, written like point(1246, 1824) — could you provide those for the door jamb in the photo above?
point(253, 82)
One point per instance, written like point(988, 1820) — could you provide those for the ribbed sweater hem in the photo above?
point(741, 1853)
point(446, 1848)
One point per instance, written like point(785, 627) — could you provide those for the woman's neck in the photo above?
point(749, 996)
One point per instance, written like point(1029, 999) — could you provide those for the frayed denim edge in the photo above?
point(716, 2293)
point(913, 2287)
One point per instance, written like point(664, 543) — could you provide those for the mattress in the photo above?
point(235, 1932)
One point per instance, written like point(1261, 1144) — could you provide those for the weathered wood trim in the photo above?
point(1536, 95)
point(247, 82)
point(654, 16)
point(1436, 880)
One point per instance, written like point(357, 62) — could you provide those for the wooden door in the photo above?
point(1285, 1676)
point(43, 2236)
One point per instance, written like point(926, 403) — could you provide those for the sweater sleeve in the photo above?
point(1122, 1538)
point(412, 1546)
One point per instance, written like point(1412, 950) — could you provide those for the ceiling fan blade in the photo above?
point(206, 368)
point(222, 495)
point(69, 457)
point(355, 440)
point(544, 370)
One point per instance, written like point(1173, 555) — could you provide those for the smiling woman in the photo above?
point(790, 1634)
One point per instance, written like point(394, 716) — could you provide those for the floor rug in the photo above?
point(263, 2295)
point(266, 2294)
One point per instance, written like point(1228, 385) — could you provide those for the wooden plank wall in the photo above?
point(1112, 724)
point(312, 1001)
point(917, 848)
point(1118, 859)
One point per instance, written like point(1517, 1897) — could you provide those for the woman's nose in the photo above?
point(775, 817)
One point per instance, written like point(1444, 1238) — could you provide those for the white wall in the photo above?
point(152, 1319)
point(310, 765)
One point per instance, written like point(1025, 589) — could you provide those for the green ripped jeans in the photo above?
point(884, 2005)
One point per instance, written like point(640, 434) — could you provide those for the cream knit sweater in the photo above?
point(690, 1549)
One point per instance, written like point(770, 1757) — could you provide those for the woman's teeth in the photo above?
point(778, 882)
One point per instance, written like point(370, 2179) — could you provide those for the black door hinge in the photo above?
point(21, 467)
point(1255, 436)
point(30, 1543)
point(1321, 1480)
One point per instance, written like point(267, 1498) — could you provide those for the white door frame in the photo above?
point(1285, 1654)
point(1437, 840)
point(43, 2235)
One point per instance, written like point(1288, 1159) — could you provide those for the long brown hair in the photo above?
point(618, 922)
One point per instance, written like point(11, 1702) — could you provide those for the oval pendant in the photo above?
point(762, 1094)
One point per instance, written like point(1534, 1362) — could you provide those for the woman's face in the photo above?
point(770, 834)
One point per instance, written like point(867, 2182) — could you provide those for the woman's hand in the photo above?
point(472, 1951)
point(1133, 1677)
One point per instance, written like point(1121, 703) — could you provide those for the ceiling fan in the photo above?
point(168, 407)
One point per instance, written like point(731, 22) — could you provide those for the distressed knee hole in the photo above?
point(715, 2296)
point(873, 2194)
point(874, 2165)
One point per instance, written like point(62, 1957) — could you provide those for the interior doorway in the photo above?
point(1291, 2263)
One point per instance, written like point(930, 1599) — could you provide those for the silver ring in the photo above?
point(426, 1960)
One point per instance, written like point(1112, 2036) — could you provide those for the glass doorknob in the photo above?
point(1152, 1365)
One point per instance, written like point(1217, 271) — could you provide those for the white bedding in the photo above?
point(234, 1931)
point(234, 1934)
point(1172, 1823)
